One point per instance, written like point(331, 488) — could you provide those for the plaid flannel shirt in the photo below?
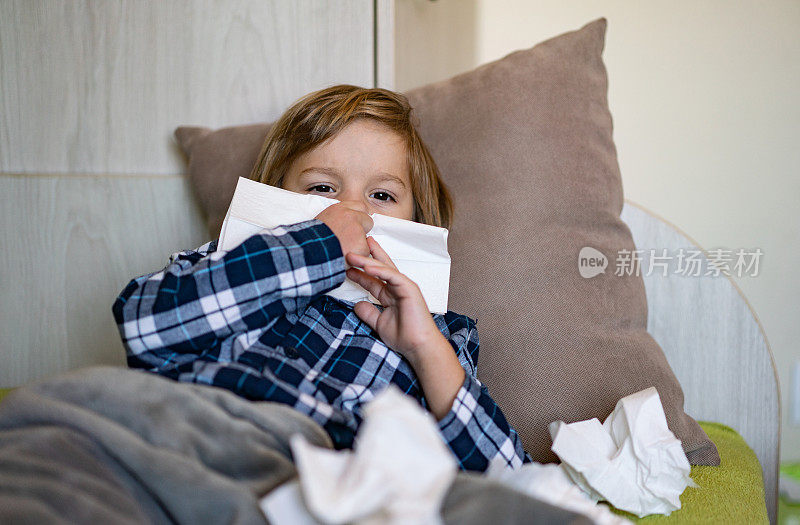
point(256, 320)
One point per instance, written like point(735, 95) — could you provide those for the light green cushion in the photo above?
point(730, 493)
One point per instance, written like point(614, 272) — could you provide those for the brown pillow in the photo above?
point(525, 145)
point(216, 161)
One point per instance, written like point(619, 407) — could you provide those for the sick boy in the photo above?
point(256, 320)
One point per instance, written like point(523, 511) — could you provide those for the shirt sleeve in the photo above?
point(202, 296)
point(475, 428)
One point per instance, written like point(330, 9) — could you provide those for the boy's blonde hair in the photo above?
point(318, 116)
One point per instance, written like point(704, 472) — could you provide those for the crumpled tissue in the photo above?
point(632, 460)
point(398, 471)
point(418, 250)
point(551, 484)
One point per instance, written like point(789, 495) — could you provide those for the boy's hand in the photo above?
point(407, 327)
point(405, 324)
point(350, 223)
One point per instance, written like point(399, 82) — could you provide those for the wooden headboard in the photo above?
point(91, 186)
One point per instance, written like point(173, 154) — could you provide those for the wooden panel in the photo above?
point(70, 244)
point(89, 87)
point(714, 344)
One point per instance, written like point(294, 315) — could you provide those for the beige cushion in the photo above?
point(216, 161)
point(525, 145)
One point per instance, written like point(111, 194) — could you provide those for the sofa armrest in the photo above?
point(712, 340)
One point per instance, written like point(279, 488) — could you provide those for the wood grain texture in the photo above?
point(714, 344)
point(70, 245)
point(90, 87)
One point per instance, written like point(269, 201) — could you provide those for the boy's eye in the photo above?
point(382, 196)
point(322, 188)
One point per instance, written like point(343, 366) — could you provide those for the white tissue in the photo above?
point(284, 506)
point(632, 460)
point(418, 250)
point(551, 484)
point(398, 472)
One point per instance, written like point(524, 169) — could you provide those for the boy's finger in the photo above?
point(367, 312)
point(356, 259)
point(361, 261)
point(383, 272)
point(379, 253)
point(369, 283)
point(378, 269)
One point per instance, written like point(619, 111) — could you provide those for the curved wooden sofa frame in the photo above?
point(713, 341)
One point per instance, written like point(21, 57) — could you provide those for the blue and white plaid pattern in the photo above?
point(255, 320)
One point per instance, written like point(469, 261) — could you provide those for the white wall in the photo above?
point(704, 97)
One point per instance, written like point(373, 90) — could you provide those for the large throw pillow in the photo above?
point(525, 146)
point(216, 161)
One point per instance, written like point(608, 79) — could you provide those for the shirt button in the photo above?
point(291, 351)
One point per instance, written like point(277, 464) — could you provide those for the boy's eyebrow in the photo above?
point(382, 176)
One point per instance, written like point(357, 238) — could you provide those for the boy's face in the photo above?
point(365, 164)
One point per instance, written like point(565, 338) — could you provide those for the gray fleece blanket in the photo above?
point(114, 445)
